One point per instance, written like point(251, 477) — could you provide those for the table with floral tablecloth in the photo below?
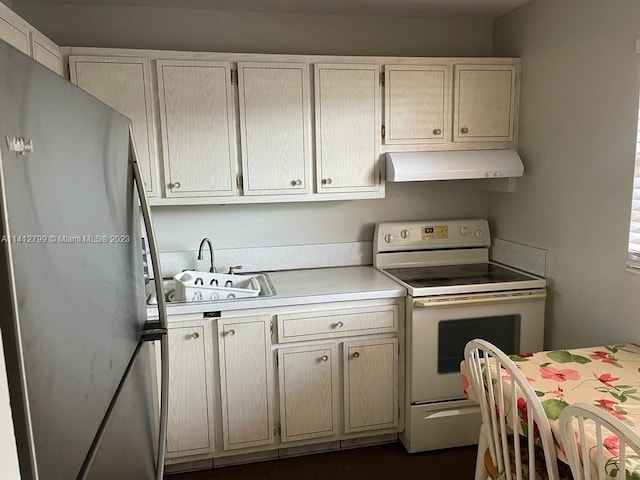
point(606, 376)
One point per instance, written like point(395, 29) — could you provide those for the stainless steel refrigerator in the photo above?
point(78, 349)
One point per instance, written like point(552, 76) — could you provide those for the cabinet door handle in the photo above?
point(464, 130)
point(195, 335)
point(295, 183)
point(356, 354)
point(326, 181)
point(230, 333)
point(174, 185)
point(437, 131)
point(338, 325)
point(324, 358)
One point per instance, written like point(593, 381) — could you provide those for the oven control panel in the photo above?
point(431, 235)
point(435, 233)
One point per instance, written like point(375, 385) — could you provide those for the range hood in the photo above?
point(451, 165)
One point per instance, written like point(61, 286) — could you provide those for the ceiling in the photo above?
point(482, 9)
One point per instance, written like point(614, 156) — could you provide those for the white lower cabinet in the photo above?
point(308, 374)
point(190, 421)
point(370, 384)
point(246, 382)
point(308, 381)
point(287, 378)
point(309, 388)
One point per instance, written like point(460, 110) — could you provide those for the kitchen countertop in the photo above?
point(297, 287)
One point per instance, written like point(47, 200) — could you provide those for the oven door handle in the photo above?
point(479, 298)
point(472, 410)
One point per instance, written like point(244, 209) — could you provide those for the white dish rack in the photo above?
point(193, 286)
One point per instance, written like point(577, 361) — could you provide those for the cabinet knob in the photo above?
point(338, 325)
point(296, 183)
point(437, 131)
point(174, 185)
point(356, 354)
point(195, 335)
point(464, 130)
point(324, 358)
point(230, 333)
point(326, 181)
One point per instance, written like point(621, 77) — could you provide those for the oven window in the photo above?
point(503, 331)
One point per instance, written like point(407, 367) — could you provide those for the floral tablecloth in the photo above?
point(607, 377)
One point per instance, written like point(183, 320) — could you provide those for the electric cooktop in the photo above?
point(446, 275)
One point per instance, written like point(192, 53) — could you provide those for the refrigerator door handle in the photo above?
point(162, 310)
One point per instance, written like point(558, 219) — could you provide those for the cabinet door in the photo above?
point(275, 128)
point(347, 99)
point(198, 128)
point(190, 423)
point(308, 380)
point(46, 52)
point(484, 105)
point(246, 382)
point(124, 84)
point(370, 385)
point(417, 104)
point(14, 30)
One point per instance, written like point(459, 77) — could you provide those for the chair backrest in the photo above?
point(507, 399)
point(614, 449)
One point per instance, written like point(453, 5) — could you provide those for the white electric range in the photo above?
point(455, 294)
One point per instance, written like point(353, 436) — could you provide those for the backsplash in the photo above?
point(324, 255)
point(523, 257)
point(266, 259)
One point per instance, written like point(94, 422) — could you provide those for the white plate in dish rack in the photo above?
point(193, 286)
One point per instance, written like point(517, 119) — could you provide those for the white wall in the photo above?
point(181, 228)
point(237, 226)
point(207, 30)
point(579, 104)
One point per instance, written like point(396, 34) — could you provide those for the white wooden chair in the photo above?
point(612, 436)
point(506, 397)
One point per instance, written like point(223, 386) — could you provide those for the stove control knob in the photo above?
point(404, 233)
point(479, 234)
point(388, 237)
point(464, 231)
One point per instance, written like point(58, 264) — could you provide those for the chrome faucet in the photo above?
point(212, 268)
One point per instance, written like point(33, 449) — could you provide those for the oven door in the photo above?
point(440, 327)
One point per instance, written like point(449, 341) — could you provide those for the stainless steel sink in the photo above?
point(266, 289)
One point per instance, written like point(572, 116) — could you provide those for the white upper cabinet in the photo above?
point(46, 52)
point(14, 30)
point(198, 128)
point(21, 35)
point(259, 128)
point(484, 103)
point(417, 104)
point(275, 128)
point(347, 113)
point(124, 84)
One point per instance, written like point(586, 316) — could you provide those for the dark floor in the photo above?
point(380, 462)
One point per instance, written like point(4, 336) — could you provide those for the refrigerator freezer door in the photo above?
point(70, 259)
